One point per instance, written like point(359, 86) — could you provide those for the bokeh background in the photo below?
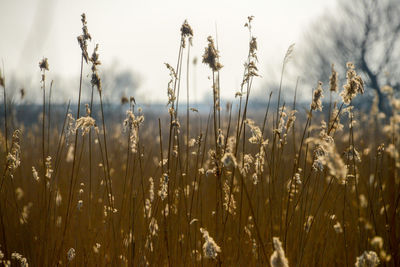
point(137, 37)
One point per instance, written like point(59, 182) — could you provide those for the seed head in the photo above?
point(338, 228)
point(210, 248)
point(124, 100)
point(278, 258)
point(2, 80)
point(221, 138)
point(85, 124)
point(13, 157)
point(44, 64)
point(84, 27)
point(316, 102)
point(82, 39)
point(211, 56)
point(253, 47)
point(186, 30)
point(49, 169)
point(131, 125)
point(308, 223)
point(163, 191)
point(367, 259)
point(18, 257)
point(95, 58)
point(288, 54)
point(353, 86)
point(229, 200)
point(248, 23)
point(71, 254)
point(35, 174)
point(333, 80)
point(96, 81)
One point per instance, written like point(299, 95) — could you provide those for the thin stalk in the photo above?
point(3, 231)
point(69, 200)
point(49, 119)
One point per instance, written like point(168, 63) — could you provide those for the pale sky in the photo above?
point(142, 35)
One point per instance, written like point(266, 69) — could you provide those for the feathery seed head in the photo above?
point(2, 80)
point(49, 169)
point(96, 81)
point(44, 64)
point(221, 138)
point(35, 174)
point(353, 86)
point(229, 200)
point(333, 80)
point(367, 259)
point(211, 56)
point(85, 124)
point(210, 248)
point(338, 228)
point(288, 54)
point(13, 157)
point(186, 30)
point(71, 254)
point(278, 258)
point(82, 39)
point(163, 191)
point(95, 58)
point(248, 23)
point(317, 95)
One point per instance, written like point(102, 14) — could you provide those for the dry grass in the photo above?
point(273, 191)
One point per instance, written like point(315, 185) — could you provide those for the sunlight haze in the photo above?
point(142, 35)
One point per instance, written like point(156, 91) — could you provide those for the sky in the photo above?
point(141, 36)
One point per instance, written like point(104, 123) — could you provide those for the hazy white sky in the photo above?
point(142, 35)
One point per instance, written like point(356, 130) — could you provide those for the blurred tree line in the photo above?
point(365, 32)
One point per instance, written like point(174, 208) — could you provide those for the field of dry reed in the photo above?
point(190, 189)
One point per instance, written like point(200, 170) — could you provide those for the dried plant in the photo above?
point(95, 188)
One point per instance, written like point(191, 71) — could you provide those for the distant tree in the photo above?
point(122, 83)
point(365, 32)
point(117, 83)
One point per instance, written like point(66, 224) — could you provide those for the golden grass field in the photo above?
point(234, 190)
